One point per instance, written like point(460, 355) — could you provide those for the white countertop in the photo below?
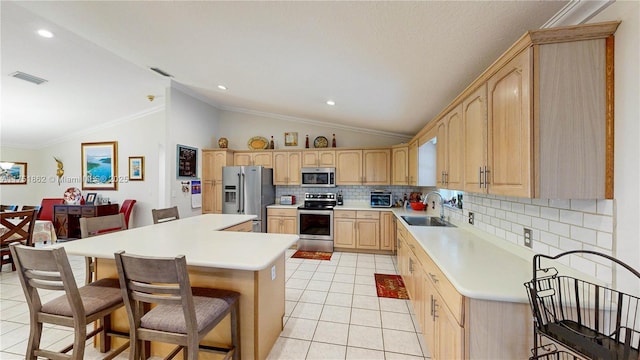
point(197, 237)
point(478, 266)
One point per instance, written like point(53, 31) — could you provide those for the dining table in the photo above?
point(43, 231)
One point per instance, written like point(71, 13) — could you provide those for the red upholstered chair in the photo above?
point(126, 208)
point(46, 208)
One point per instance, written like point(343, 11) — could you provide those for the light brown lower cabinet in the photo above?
point(363, 230)
point(282, 221)
point(455, 326)
point(246, 226)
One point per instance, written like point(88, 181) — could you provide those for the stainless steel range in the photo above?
point(315, 222)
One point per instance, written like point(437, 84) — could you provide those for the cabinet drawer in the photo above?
point(449, 294)
point(60, 209)
point(88, 211)
point(368, 215)
point(282, 212)
point(74, 210)
point(401, 230)
point(344, 214)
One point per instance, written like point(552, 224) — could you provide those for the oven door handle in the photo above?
point(315, 212)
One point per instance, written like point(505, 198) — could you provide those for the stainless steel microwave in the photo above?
point(318, 177)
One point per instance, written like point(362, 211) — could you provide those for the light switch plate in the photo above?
point(471, 218)
point(273, 272)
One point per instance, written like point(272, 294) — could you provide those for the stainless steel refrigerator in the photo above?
point(248, 190)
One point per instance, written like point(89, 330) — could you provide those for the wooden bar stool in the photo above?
point(48, 269)
point(99, 225)
point(183, 315)
point(163, 215)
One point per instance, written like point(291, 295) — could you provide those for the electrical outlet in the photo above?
point(273, 272)
point(528, 241)
point(470, 218)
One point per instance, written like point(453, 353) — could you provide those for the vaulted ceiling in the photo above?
point(389, 66)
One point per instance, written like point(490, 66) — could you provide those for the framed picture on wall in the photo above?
point(186, 162)
point(291, 139)
point(100, 165)
point(136, 168)
point(13, 173)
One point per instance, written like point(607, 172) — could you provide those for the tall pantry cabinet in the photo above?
point(213, 161)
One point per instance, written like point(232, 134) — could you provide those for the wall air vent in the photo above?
point(28, 77)
point(161, 72)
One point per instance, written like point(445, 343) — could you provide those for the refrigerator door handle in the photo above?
point(243, 188)
point(239, 193)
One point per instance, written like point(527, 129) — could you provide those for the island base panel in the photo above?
point(261, 308)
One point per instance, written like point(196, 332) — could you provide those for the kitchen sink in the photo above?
point(426, 221)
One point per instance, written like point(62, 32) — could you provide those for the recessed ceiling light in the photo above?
point(222, 87)
point(331, 102)
point(45, 33)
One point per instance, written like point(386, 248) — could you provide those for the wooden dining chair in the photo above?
point(163, 215)
point(45, 270)
point(15, 226)
point(30, 207)
point(182, 315)
point(98, 225)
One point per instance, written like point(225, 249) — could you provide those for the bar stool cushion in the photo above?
point(96, 296)
point(170, 318)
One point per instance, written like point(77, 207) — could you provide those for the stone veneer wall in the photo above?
point(557, 226)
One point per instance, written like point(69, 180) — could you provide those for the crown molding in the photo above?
point(577, 12)
point(106, 125)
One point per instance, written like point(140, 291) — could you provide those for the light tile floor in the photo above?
point(332, 312)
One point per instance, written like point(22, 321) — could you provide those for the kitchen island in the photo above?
point(249, 263)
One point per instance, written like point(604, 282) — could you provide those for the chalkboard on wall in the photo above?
point(186, 162)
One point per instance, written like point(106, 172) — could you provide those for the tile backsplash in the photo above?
point(557, 226)
point(349, 193)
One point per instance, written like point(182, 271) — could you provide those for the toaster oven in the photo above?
point(381, 199)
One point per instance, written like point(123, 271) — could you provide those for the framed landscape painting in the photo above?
point(100, 166)
point(16, 175)
point(136, 168)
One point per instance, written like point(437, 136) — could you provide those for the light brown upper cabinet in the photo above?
point(548, 131)
point(400, 165)
point(318, 158)
point(413, 162)
point(253, 158)
point(550, 117)
point(510, 127)
point(449, 147)
point(474, 128)
point(286, 167)
point(363, 167)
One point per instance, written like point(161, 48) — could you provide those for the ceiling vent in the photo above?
point(28, 77)
point(161, 72)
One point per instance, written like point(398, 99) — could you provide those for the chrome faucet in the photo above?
point(441, 203)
